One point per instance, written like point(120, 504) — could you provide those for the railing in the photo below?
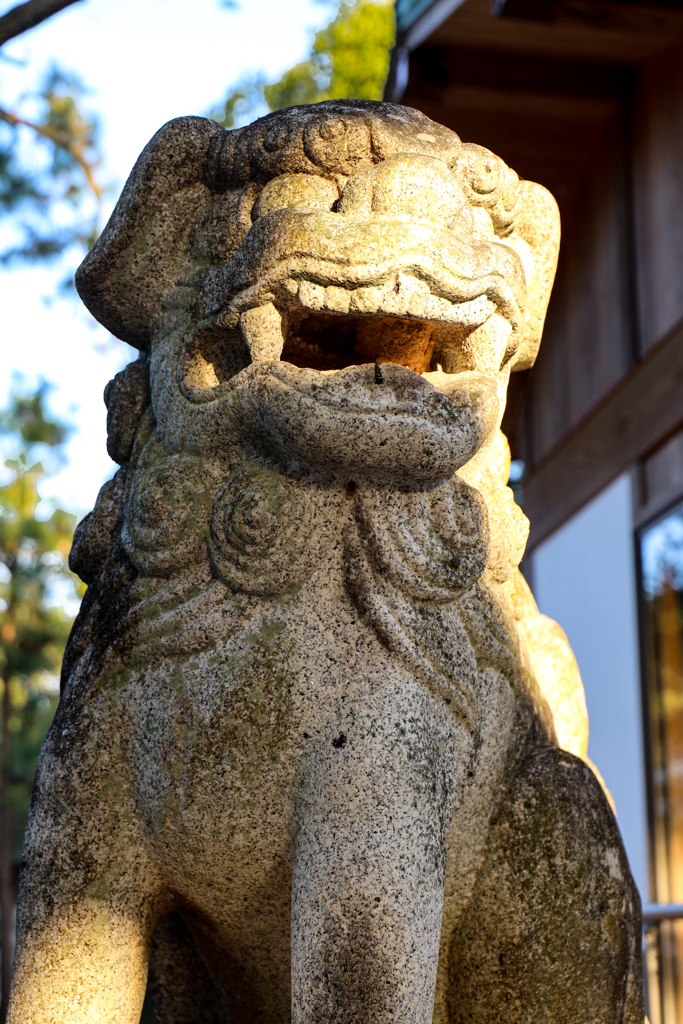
point(653, 913)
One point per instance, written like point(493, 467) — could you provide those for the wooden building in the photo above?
point(586, 97)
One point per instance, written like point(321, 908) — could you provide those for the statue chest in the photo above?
point(218, 747)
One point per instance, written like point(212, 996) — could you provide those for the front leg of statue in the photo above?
point(84, 919)
point(369, 860)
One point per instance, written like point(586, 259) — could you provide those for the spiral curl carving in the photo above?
point(431, 545)
point(265, 532)
point(409, 557)
point(169, 509)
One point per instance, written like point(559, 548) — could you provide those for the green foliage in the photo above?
point(35, 583)
point(48, 157)
point(349, 59)
point(241, 103)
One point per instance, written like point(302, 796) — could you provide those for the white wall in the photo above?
point(584, 578)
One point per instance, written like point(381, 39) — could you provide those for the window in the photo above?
point(661, 598)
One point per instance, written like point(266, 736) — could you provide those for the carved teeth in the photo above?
point(311, 295)
point(337, 299)
point(365, 300)
point(405, 296)
point(408, 296)
point(438, 308)
point(467, 314)
point(262, 330)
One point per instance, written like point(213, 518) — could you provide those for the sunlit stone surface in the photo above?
point(318, 757)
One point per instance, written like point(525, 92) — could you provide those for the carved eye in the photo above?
point(276, 138)
point(482, 169)
point(338, 145)
point(296, 190)
point(332, 129)
point(486, 177)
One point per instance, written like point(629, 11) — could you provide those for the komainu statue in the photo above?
point(318, 757)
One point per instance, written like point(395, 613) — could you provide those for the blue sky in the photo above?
point(144, 62)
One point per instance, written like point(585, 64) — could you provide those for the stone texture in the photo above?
point(318, 757)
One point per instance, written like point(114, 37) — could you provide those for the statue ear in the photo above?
point(536, 239)
point(136, 259)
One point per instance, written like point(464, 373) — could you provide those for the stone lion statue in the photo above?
point(318, 758)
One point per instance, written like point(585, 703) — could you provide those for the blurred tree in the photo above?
point(47, 174)
point(349, 59)
point(35, 585)
point(49, 195)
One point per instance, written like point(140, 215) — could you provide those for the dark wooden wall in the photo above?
point(593, 111)
point(658, 186)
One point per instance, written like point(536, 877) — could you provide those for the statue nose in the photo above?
point(407, 186)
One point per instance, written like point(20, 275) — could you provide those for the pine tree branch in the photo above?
point(66, 143)
point(25, 16)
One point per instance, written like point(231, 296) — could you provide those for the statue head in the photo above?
point(344, 286)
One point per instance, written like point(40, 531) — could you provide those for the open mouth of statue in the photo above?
point(330, 328)
point(400, 321)
point(326, 291)
point(336, 378)
point(335, 348)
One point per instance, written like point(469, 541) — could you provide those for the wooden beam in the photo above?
point(428, 21)
point(642, 410)
point(618, 33)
